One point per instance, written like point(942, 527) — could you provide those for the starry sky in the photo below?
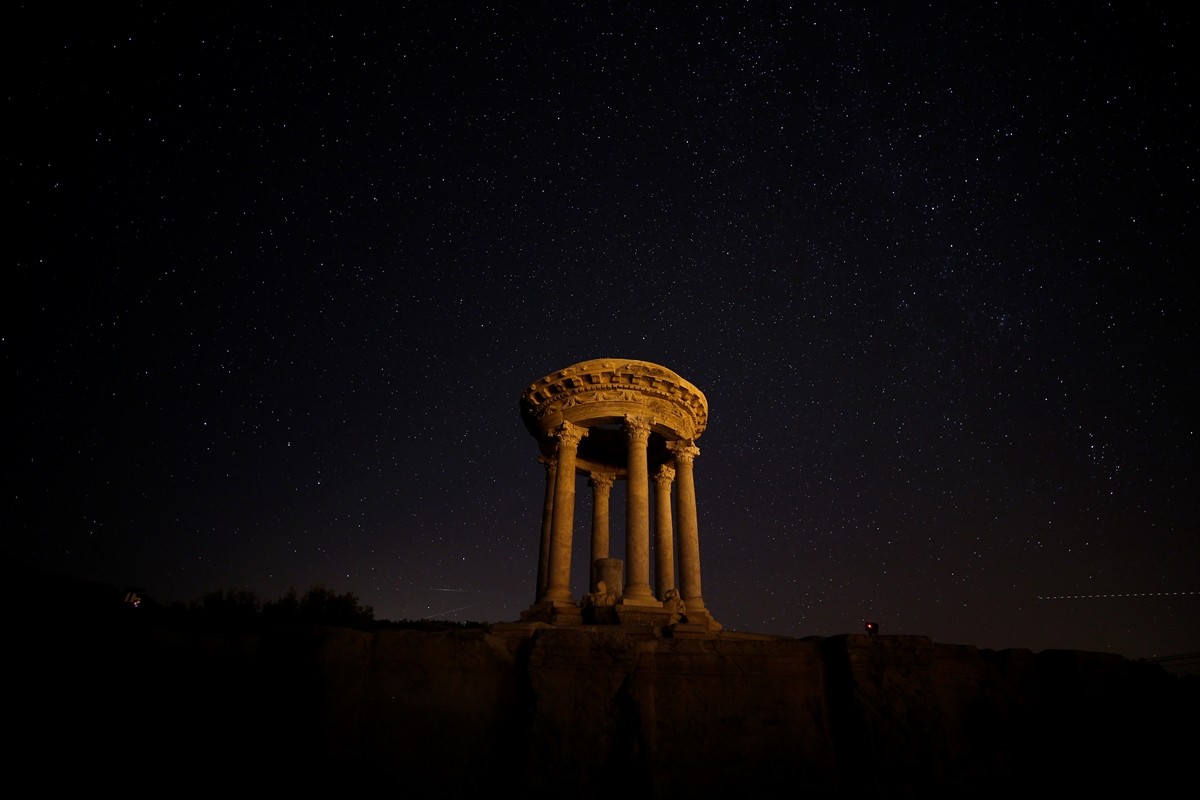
point(279, 274)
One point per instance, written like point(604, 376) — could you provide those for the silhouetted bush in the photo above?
point(320, 606)
point(223, 612)
point(283, 612)
point(231, 611)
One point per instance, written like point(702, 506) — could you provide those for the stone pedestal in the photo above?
point(688, 630)
point(654, 615)
point(600, 615)
point(553, 613)
point(704, 619)
point(612, 572)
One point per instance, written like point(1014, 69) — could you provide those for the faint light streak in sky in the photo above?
point(451, 611)
point(1102, 596)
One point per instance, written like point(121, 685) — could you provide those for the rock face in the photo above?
point(592, 713)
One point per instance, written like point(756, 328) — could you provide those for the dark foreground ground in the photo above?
point(114, 699)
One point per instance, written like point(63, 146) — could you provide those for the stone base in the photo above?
point(600, 615)
point(702, 617)
point(642, 615)
point(644, 601)
point(698, 614)
point(553, 612)
point(689, 630)
point(563, 613)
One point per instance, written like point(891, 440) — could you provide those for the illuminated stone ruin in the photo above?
point(608, 420)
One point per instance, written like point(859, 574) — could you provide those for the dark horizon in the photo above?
point(64, 598)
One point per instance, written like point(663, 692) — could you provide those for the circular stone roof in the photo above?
point(605, 391)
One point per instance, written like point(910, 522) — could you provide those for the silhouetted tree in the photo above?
point(284, 611)
point(238, 612)
point(320, 606)
point(231, 611)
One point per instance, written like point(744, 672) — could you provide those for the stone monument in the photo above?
point(607, 420)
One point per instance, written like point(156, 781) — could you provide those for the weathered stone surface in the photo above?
point(588, 711)
point(618, 419)
point(604, 391)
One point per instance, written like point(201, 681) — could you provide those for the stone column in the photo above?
point(558, 586)
point(664, 536)
point(689, 535)
point(601, 483)
point(547, 521)
point(637, 514)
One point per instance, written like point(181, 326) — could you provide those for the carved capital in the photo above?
point(602, 481)
point(638, 428)
point(685, 451)
point(665, 476)
point(569, 435)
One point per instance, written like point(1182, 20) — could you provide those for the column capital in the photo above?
point(685, 450)
point(570, 434)
point(638, 428)
point(665, 476)
point(602, 480)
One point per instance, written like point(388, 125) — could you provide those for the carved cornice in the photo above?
point(637, 386)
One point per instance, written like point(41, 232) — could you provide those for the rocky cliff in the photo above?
point(587, 713)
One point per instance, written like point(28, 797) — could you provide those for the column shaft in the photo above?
point(637, 514)
point(547, 523)
point(689, 534)
point(601, 483)
point(664, 536)
point(559, 579)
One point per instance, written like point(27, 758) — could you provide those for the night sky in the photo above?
point(280, 273)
